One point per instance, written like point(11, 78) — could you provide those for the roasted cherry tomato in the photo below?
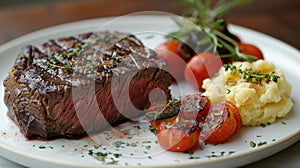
point(169, 52)
point(162, 112)
point(236, 114)
point(200, 67)
point(178, 136)
point(250, 49)
point(194, 107)
point(220, 123)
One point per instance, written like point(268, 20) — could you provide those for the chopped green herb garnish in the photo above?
point(252, 76)
point(68, 66)
point(118, 144)
point(153, 129)
point(117, 155)
point(42, 147)
point(228, 91)
point(106, 38)
point(91, 152)
point(148, 147)
point(263, 125)
point(132, 144)
point(103, 157)
point(231, 152)
point(252, 144)
point(146, 142)
point(220, 155)
point(190, 152)
point(262, 143)
point(100, 156)
point(113, 161)
point(194, 157)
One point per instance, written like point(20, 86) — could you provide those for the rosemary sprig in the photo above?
point(206, 16)
point(250, 76)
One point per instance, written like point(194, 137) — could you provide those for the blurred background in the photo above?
point(278, 18)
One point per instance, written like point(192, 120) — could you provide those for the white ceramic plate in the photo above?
point(140, 148)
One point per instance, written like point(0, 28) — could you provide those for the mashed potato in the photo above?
point(259, 102)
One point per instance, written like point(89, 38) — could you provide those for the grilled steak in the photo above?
point(81, 84)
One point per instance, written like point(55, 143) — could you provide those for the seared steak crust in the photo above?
point(72, 86)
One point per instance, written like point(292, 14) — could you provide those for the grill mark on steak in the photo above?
point(50, 101)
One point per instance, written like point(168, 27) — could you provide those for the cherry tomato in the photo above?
point(232, 108)
point(220, 123)
point(169, 52)
point(200, 67)
point(250, 49)
point(194, 107)
point(178, 136)
point(162, 112)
